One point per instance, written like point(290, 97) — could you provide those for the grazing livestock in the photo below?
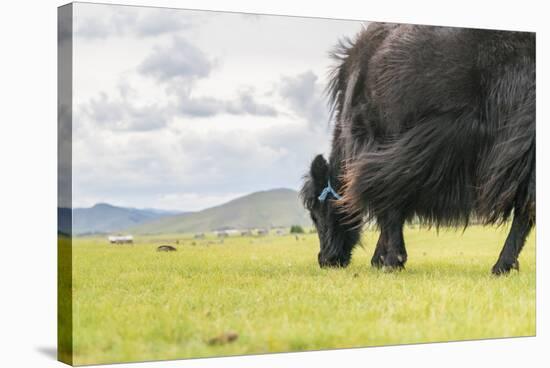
point(435, 124)
point(262, 232)
point(166, 248)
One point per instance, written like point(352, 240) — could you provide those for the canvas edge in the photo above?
point(64, 181)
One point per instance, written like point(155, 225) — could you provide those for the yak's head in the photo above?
point(336, 235)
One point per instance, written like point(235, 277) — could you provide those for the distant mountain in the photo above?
point(63, 220)
point(105, 218)
point(163, 212)
point(271, 208)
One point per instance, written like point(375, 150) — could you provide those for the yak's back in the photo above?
point(421, 69)
point(403, 72)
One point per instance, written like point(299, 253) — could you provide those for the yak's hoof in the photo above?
point(334, 263)
point(394, 262)
point(504, 268)
point(377, 261)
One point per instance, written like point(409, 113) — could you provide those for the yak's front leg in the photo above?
point(391, 228)
point(508, 259)
point(380, 252)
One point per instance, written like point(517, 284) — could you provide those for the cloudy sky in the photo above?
point(179, 109)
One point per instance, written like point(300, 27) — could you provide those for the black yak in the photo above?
point(166, 248)
point(431, 124)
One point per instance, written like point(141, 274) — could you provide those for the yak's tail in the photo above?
point(508, 173)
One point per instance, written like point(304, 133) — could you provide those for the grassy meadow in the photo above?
point(132, 303)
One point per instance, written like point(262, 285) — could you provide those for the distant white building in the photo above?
point(121, 239)
point(226, 233)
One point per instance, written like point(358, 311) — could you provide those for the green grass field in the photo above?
point(132, 303)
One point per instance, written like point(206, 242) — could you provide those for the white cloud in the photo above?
point(99, 22)
point(181, 61)
point(306, 97)
point(123, 115)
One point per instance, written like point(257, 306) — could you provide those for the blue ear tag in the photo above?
point(328, 190)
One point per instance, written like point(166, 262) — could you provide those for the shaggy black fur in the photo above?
point(434, 124)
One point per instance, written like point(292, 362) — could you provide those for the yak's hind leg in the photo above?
point(508, 259)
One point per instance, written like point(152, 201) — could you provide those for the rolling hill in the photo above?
point(271, 208)
point(104, 218)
